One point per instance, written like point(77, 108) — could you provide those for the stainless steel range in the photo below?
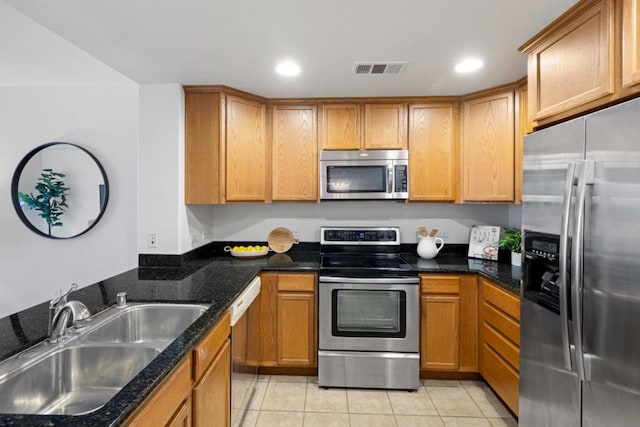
point(368, 309)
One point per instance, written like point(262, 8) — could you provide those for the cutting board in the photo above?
point(281, 239)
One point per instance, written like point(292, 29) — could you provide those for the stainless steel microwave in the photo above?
point(364, 175)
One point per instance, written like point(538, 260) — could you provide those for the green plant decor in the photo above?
point(51, 202)
point(511, 240)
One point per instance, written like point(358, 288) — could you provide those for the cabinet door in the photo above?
point(439, 330)
point(212, 396)
point(630, 43)
point(488, 149)
point(203, 121)
point(468, 356)
point(573, 63)
point(246, 151)
point(385, 127)
point(166, 404)
point(296, 329)
point(341, 127)
point(182, 418)
point(433, 162)
point(294, 153)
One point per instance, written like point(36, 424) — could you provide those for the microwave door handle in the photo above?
point(389, 178)
point(564, 257)
point(577, 264)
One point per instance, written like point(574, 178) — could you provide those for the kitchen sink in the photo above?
point(73, 380)
point(146, 323)
point(85, 370)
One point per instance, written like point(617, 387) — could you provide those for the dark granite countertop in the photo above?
point(215, 280)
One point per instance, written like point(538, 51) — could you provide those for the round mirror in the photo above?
point(60, 190)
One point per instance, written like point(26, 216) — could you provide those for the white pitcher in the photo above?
point(427, 246)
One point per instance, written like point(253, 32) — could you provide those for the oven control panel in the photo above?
point(360, 235)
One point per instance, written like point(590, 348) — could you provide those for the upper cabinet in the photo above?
point(294, 152)
point(341, 126)
point(246, 151)
point(433, 161)
point(630, 43)
point(227, 153)
point(586, 59)
point(385, 127)
point(204, 122)
point(488, 144)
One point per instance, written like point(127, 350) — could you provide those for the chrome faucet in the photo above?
point(59, 312)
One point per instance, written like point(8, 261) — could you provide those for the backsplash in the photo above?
point(253, 222)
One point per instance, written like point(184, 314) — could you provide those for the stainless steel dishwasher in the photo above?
point(245, 318)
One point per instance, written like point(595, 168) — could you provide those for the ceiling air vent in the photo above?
point(382, 67)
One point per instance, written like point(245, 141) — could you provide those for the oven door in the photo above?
point(369, 314)
point(362, 179)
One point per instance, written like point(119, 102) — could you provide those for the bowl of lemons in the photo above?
point(251, 251)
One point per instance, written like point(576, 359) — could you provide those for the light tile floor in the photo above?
point(284, 401)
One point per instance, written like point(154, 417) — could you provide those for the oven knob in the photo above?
point(390, 235)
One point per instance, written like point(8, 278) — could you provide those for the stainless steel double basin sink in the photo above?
point(85, 370)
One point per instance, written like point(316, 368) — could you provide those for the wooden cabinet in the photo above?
point(385, 127)
point(227, 153)
point(167, 406)
point(341, 126)
point(488, 144)
point(433, 160)
point(574, 63)
point(448, 323)
point(288, 322)
point(212, 394)
point(294, 153)
point(247, 160)
point(212, 377)
point(500, 341)
point(204, 137)
point(630, 43)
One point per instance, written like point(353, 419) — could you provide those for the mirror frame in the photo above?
point(16, 179)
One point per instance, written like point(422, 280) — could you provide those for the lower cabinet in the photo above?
point(211, 395)
point(198, 391)
point(448, 323)
point(500, 341)
point(288, 320)
point(167, 406)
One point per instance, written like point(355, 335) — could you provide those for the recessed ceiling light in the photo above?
point(469, 65)
point(288, 68)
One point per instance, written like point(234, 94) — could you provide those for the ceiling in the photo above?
point(238, 42)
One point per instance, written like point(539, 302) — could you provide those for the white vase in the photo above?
point(516, 259)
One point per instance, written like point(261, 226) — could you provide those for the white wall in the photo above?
point(253, 222)
point(162, 210)
point(53, 91)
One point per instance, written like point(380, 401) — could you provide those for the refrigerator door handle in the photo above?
point(585, 178)
point(564, 256)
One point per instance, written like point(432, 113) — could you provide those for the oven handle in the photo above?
point(386, 280)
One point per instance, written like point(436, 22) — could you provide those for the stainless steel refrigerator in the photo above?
point(580, 312)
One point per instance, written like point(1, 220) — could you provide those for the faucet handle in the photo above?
point(62, 299)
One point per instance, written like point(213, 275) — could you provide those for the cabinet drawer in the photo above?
point(206, 350)
point(296, 282)
point(501, 299)
point(502, 377)
point(501, 345)
point(440, 284)
point(501, 322)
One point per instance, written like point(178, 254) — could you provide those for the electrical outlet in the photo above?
point(296, 234)
point(152, 240)
point(442, 234)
